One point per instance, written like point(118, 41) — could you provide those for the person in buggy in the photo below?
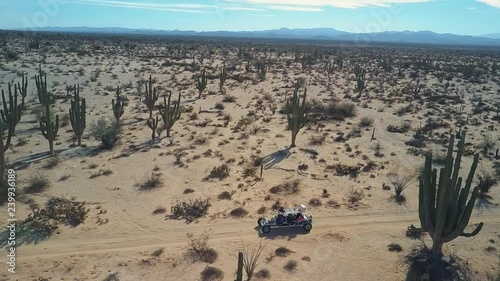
point(280, 219)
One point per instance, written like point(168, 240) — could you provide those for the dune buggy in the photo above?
point(290, 217)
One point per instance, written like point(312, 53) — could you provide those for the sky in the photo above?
point(471, 17)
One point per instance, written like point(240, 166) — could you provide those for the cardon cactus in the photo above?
point(150, 97)
point(296, 112)
point(443, 207)
point(77, 115)
point(171, 112)
point(118, 105)
point(201, 83)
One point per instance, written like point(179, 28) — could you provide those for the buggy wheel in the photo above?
point(307, 227)
point(266, 229)
point(260, 221)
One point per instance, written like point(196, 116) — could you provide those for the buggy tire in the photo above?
point(260, 221)
point(307, 227)
point(266, 229)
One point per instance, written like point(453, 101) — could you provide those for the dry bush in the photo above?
point(52, 162)
point(159, 210)
point(345, 170)
point(366, 122)
point(151, 182)
point(37, 183)
point(211, 273)
point(219, 172)
point(316, 140)
point(238, 212)
point(315, 202)
point(400, 180)
point(291, 265)
point(282, 252)
point(288, 187)
point(199, 250)
point(191, 210)
point(394, 247)
point(263, 274)
point(251, 257)
point(354, 196)
point(225, 195)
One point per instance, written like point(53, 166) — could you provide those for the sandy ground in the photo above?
point(121, 232)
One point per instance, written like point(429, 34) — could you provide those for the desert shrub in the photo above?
point(211, 273)
point(400, 180)
point(43, 222)
point(345, 170)
point(219, 172)
point(249, 171)
point(439, 158)
point(11, 55)
point(159, 210)
point(199, 250)
point(225, 195)
point(394, 247)
point(288, 187)
point(251, 255)
point(151, 182)
point(219, 106)
point(52, 162)
point(238, 212)
point(229, 98)
point(422, 265)
point(107, 132)
point(191, 210)
point(366, 122)
point(369, 166)
point(488, 143)
point(263, 274)
point(283, 252)
point(415, 233)
point(37, 183)
point(316, 140)
point(315, 202)
point(262, 210)
point(290, 265)
point(403, 128)
point(354, 196)
point(485, 180)
point(340, 111)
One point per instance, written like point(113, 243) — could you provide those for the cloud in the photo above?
point(350, 4)
point(294, 8)
point(184, 8)
point(493, 3)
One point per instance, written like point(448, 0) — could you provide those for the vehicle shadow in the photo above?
point(279, 233)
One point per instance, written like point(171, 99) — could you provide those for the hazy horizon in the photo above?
point(461, 17)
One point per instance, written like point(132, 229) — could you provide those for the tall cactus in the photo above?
point(239, 272)
point(23, 88)
point(360, 73)
point(11, 115)
point(443, 208)
point(44, 96)
point(261, 70)
point(150, 97)
point(49, 128)
point(296, 112)
point(222, 77)
point(153, 125)
point(171, 113)
point(118, 106)
point(201, 83)
point(77, 114)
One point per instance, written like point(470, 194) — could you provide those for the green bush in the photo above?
point(107, 132)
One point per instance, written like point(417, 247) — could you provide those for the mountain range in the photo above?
point(403, 37)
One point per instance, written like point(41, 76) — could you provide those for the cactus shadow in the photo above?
point(23, 237)
point(275, 158)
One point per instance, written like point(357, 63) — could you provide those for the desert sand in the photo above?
point(349, 240)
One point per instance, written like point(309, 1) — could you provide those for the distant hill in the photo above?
point(492, 35)
point(418, 37)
